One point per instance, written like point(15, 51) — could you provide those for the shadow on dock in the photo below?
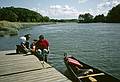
point(12, 54)
point(19, 54)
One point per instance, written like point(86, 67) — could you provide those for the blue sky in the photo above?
point(60, 9)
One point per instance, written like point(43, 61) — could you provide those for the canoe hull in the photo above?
point(100, 78)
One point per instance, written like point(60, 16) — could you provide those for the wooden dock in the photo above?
point(27, 68)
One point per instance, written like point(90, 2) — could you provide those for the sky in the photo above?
point(63, 9)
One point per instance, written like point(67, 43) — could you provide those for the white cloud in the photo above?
point(55, 6)
point(58, 11)
point(66, 11)
point(106, 5)
point(82, 1)
point(42, 12)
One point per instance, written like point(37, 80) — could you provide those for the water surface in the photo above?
point(97, 44)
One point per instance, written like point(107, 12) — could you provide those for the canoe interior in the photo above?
point(100, 78)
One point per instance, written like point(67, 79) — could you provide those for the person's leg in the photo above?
point(45, 52)
point(46, 58)
point(23, 49)
point(39, 54)
point(17, 49)
point(27, 45)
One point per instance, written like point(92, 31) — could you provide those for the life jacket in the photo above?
point(73, 62)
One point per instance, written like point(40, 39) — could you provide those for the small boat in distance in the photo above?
point(81, 72)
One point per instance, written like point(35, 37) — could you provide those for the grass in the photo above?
point(12, 28)
point(9, 28)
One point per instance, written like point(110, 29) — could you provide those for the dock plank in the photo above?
point(44, 75)
point(21, 65)
point(27, 74)
point(21, 68)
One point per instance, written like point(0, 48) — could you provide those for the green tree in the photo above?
point(114, 14)
point(99, 18)
point(46, 19)
point(6, 14)
point(85, 18)
point(20, 15)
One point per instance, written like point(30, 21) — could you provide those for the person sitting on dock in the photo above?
point(23, 47)
point(32, 46)
point(42, 48)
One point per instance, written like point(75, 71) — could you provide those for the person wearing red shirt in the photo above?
point(42, 47)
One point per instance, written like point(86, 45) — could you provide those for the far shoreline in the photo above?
point(35, 23)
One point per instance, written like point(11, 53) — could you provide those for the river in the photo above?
point(97, 44)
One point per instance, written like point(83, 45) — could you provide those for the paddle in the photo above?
point(91, 75)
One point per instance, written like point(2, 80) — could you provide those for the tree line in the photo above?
point(113, 16)
point(21, 15)
point(24, 15)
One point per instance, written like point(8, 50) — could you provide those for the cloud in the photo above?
point(42, 12)
point(106, 5)
point(59, 11)
point(82, 1)
point(66, 11)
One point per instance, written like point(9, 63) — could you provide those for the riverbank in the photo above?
point(12, 28)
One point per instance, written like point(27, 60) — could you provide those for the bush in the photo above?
point(9, 28)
